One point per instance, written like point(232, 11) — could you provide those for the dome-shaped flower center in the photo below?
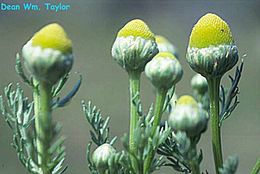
point(210, 30)
point(53, 36)
point(136, 28)
point(187, 100)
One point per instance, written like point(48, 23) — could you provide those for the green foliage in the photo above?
point(147, 142)
point(186, 146)
point(167, 104)
point(19, 114)
point(171, 150)
point(100, 133)
point(230, 101)
point(61, 102)
point(120, 162)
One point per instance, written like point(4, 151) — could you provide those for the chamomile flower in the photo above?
point(164, 70)
point(188, 117)
point(134, 46)
point(211, 51)
point(48, 54)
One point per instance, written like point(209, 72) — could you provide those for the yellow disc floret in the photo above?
point(136, 28)
point(187, 100)
point(53, 36)
point(210, 30)
point(164, 55)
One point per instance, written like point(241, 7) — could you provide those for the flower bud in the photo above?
point(48, 55)
point(164, 45)
point(134, 46)
point(199, 84)
point(101, 156)
point(164, 70)
point(211, 51)
point(188, 117)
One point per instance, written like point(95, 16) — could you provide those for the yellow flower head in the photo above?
point(136, 28)
point(165, 55)
point(52, 36)
point(210, 30)
point(187, 100)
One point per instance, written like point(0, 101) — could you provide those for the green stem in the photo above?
point(194, 163)
point(256, 168)
point(159, 104)
point(134, 89)
point(214, 84)
point(43, 125)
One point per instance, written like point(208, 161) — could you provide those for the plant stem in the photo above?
point(159, 104)
point(43, 124)
point(194, 163)
point(256, 168)
point(134, 89)
point(214, 84)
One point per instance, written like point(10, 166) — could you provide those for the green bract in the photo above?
point(134, 46)
point(213, 61)
point(164, 70)
point(48, 54)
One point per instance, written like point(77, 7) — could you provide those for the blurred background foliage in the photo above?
point(92, 25)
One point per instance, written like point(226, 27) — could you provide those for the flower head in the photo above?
point(48, 54)
point(101, 156)
point(134, 46)
point(211, 50)
point(188, 117)
point(164, 70)
point(165, 46)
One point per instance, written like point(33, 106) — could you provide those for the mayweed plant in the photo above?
point(152, 142)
